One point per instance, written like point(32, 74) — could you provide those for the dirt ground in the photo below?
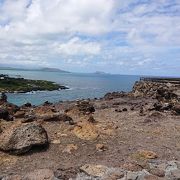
point(114, 139)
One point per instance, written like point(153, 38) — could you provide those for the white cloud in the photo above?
point(58, 16)
point(99, 32)
point(75, 46)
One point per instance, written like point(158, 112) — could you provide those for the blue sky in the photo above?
point(115, 36)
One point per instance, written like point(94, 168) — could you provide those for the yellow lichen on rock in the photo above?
point(144, 154)
point(6, 159)
point(86, 131)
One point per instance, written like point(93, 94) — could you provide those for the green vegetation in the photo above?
point(10, 84)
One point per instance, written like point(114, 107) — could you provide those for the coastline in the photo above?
point(22, 85)
point(119, 135)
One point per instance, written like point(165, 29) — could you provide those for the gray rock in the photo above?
point(171, 166)
point(83, 176)
point(139, 175)
point(175, 175)
point(21, 138)
point(40, 174)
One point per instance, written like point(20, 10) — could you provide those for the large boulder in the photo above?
point(19, 139)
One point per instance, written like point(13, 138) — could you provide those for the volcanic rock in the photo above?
point(114, 95)
point(19, 139)
point(57, 117)
point(4, 114)
point(40, 174)
point(85, 107)
point(19, 114)
point(3, 98)
point(86, 131)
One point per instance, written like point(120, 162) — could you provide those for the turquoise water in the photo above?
point(81, 86)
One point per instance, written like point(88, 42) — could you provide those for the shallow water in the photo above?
point(81, 86)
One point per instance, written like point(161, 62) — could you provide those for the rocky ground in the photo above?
point(126, 136)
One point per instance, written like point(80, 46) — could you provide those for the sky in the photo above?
point(114, 36)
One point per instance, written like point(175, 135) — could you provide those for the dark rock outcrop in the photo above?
point(85, 107)
point(26, 105)
point(4, 114)
point(3, 98)
point(21, 138)
point(114, 95)
point(176, 109)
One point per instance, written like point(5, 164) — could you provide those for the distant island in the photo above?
point(21, 85)
point(100, 72)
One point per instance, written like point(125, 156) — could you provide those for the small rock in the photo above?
point(132, 108)
point(176, 108)
point(132, 167)
point(113, 174)
point(91, 119)
point(40, 174)
point(56, 141)
point(70, 148)
point(94, 170)
point(85, 107)
point(19, 114)
point(29, 118)
point(152, 177)
point(147, 154)
point(131, 175)
point(118, 110)
point(141, 111)
point(3, 97)
point(47, 103)
point(101, 147)
point(4, 114)
point(157, 106)
point(27, 105)
point(124, 109)
point(175, 174)
point(66, 173)
point(157, 172)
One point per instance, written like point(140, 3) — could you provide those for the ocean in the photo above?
point(81, 86)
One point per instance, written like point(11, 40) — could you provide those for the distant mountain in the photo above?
point(32, 69)
point(16, 68)
point(53, 70)
point(6, 68)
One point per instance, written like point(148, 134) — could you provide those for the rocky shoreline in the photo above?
point(125, 136)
